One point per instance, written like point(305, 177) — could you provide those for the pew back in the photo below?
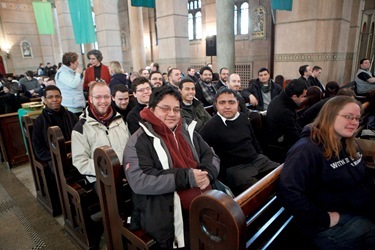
point(253, 220)
point(116, 203)
point(44, 180)
point(79, 201)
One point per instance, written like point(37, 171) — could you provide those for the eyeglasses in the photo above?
point(167, 109)
point(351, 117)
point(99, 97)
point(144, 89)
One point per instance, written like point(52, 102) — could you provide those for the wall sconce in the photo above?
point(6, 50)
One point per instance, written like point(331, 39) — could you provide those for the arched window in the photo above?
point(235, 19)
point(241, 17)
point(194, 19)
point(198, 25)
point(191, 26)
point(244, 18)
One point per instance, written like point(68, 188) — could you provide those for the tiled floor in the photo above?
point(23, 173)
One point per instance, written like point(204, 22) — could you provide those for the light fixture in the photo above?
point(6, 49)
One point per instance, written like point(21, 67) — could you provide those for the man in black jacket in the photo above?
point(281, 120)
point(230, 133)
point(54, 114)
point(262, 91)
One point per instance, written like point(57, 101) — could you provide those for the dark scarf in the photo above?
point(103, 119)
point(59, 118)
point(265, 89)
point(180, 151)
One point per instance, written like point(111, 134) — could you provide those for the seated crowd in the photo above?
point(172, 149)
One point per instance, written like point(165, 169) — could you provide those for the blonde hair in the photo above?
point(115, 67)
point(97, 84)
point(322, 129)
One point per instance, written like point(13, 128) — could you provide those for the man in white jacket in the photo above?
point(99, 125)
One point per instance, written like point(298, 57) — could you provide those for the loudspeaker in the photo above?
point(211, 46)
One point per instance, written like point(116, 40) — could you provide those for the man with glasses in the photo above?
point(156, 79)
point(54, 114)
point(99, 125)
point(167, 166)
point(141, 90)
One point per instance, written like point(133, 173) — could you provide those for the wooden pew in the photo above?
point(79, 202)
point(253, 220)
point(368, 154)
point(116, 203)
point(44, 180)
point(11, 142)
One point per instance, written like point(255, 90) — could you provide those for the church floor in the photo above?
point(24, 223)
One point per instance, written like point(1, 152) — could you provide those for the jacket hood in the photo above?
point(306, 131)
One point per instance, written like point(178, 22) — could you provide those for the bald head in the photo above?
point(234, 82)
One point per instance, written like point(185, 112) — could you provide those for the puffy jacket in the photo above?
point(88, 134)
point(154, 181)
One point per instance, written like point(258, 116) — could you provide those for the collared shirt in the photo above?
point(225, 119)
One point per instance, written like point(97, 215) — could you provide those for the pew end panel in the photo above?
point(216, 221)
point(79, 200)
point(262, 222)
point(44, 179)
point(116, 203)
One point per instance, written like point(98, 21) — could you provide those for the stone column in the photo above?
point(136, 37)
point(225, 34)
point(173, 38)
point(68, 42)
point(108, 30)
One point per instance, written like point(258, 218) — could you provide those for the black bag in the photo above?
point(218, 185)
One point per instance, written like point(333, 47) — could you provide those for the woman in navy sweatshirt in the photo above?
point(324, 183)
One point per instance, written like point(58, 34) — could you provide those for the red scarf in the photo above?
point(103, 119)
point(179, 149)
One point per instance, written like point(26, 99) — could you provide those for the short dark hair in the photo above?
point(225, 91)
point(363, 59)
point(96, 53)
point(154, 72)
point(332, 88)
point(170, 71)
point(158, 94)
point(50, 87)
point(138, 81)
point(204, 69)
point(69, 57)
point(302, 69)
point(263, 69)
point(156, 65)
point(29, 73)
point(181, 84)
point(295, 87)
point(119, 87)
point(316, 68)
point(223, 69)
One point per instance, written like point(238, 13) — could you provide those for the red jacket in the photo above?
point(90, 76)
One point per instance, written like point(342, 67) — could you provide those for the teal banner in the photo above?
point(282, 4)
point(44, 18)
point(143, 3)
point(83, 25)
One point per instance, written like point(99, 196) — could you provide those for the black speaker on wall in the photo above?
point(211, 46)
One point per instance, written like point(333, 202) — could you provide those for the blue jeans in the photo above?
point(351, 232)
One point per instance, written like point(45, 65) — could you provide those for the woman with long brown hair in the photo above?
point(324, 182)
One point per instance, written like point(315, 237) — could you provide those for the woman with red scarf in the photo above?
point(167, 165)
